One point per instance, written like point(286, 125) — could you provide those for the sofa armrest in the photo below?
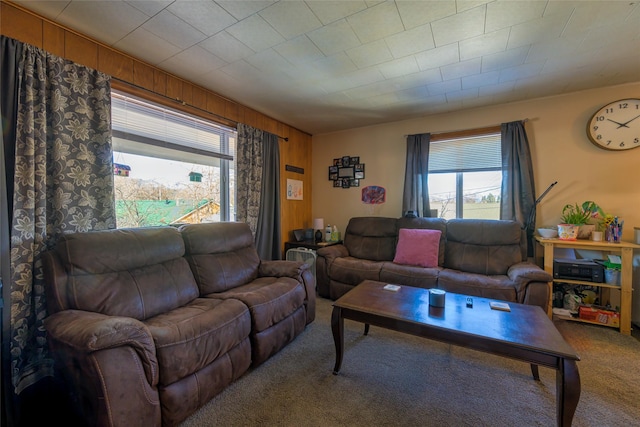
point(297, 270)
point(333, 251)
point(88, 332)
point(281, 268)
point(524, 273)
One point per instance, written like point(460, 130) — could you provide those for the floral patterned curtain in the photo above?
point(258, 200)
point(249, 175)
point(63, 183)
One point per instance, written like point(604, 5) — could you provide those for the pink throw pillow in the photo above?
point(418, 247)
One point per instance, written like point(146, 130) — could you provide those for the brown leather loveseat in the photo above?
point(485, 258)
point(149, 324)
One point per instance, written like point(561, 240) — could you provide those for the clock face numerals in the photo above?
point(616, 126)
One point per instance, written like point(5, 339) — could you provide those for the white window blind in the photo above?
point(476, 153)
point(136, 120)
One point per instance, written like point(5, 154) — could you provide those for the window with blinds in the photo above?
point(465, 175)
point(170, 167)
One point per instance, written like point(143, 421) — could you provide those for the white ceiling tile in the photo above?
point(299, 50)
point(443, 87)
point(481, 79)
point(505, 13)
point(256, 33)
point(496, 88)
point(422, 78)
point(412, 41)
point(241, 70)
point(376, 22)
point(329, 67)
point(243, 9)
point(201, 60)
point(149, 7)
point(561, 47)
point(438, 57)
point(415, 13)
point(506, 59)
point(399, 67)
point(620, 34)
point(537, 30)
point(597, 14)
point(291, 18)
point(329, 11)
point(462, 5)
point(169, 27)
point(521, 71)
point(335, 37)
point(270, 61)
point(370, 54)
point(461, 69)
point(47, 8)
point(460, 95)
point(227, 47)
point(206, 16)
point(103, 20)
point(484, 44)
point(459, 27)
point(147, 46)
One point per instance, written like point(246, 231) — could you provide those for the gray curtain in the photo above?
point(63, 182)
point(10, 52)
point(416, 189)
point(258, 192)
point(517, 198)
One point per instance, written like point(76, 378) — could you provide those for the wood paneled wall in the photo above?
point(21, 24)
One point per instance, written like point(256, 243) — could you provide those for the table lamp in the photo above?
point(318, 225)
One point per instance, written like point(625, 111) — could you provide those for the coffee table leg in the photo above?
point(366, 329)
point(567, 391)
point(337, 327)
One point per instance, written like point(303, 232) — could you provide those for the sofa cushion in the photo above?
point(191, 337)
point(417, 247)
point(222, 255)
point(269, 299)
point(135, 273)
point(352, 270)
point(428, 224)
point(484, 246)
point(409, 275)
point(372, 238)
point(480, 285)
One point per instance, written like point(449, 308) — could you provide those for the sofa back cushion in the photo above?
point(137, 272)
point(371, 238)
point(484, 246)
point(222, 255)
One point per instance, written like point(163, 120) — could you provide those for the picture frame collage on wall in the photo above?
point(346, 172)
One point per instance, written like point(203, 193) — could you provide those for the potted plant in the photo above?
point(575, 216)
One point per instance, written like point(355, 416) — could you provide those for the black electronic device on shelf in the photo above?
point(585, 270)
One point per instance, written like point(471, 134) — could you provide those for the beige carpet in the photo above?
point(393, 379)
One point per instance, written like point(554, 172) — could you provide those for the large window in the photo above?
point(465, 175)
point(170, 168)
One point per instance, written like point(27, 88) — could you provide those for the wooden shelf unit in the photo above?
point(624, 249)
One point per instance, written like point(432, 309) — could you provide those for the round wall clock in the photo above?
point(616, 126)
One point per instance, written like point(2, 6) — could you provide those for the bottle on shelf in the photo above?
point(327, 234)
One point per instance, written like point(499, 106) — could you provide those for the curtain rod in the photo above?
point(467, 130)
point(178, 101)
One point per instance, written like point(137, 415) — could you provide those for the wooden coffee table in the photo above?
point(525, 333)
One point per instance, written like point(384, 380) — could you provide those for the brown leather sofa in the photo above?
point(485, 258)
point(149, 324)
